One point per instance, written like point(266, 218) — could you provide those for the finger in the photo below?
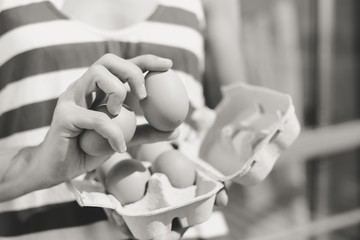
point(177, 231)
point(152, 63)
point(147, 134)
point(169, 236)
point(102, 124)
point(108, 213)
point(98, 77)
point(126, 71)
point(119, 221)
point(222, 198)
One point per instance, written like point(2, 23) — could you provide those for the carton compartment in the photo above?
point(161, 196)
point(194, 207)
point(161, 206)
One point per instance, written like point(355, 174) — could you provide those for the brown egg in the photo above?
point(94, 144)
point(177, 167)
point(127, 181)
point(166, 105)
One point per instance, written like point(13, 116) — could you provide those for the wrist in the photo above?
point(22, 176)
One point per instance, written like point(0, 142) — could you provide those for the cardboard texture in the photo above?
point(251, 127)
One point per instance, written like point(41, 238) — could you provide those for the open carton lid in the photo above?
point(251, 127)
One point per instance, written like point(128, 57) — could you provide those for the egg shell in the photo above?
point(177, 167)
point(127, 181)
point(104, 169)
point(167, 103)
point(94, 144)
point(151, 151)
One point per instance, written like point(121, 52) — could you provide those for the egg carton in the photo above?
point(254, 124)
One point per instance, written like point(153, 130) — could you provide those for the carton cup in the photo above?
point(148, 224)
point(251, 127)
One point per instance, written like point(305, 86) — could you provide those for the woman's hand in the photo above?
point(59, 158)
point(72, 115)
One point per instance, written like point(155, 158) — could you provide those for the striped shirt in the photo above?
point(42, 51)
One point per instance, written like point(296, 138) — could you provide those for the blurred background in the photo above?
point(311, 50)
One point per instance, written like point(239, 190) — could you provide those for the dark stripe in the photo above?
point(48, 217)
point(67, 56)
point(48, 59)
point(178, 16)
point(27, 117)
point(183, 60)
point(27, 14)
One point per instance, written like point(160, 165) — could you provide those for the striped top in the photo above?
point(42, 51)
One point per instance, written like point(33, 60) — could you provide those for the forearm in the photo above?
point(20, 173)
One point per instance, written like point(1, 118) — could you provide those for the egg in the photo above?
point(94, 144)
point(127, 181)
point(166, 105)
point(151, 151)
point(104, 168)
point(177, 167)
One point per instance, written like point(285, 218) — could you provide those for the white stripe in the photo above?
point(194, 89)
point(45, 34)
point(26, 138)
point(37, 88)
point(100, 230)
point(42, 34)
point(174, 36)
point(56, 194)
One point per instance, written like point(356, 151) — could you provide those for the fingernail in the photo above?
point(123, 147)
point(118, 109)
point(142, 92)
point(166, 60)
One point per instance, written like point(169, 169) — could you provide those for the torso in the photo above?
point(45, 48)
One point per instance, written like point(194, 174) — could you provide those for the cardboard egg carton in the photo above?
point(249, 132)
point(252, 127)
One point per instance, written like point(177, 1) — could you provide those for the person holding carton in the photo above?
point(54, 56)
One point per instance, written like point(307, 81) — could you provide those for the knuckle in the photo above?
point(96, 70)
point(62, 97)
point(100, 119)
point(135, 74)
point(121, 90)
point(108, 57)
point(62, 114)
point(149, 56)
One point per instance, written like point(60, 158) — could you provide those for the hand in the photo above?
point(59, 156)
